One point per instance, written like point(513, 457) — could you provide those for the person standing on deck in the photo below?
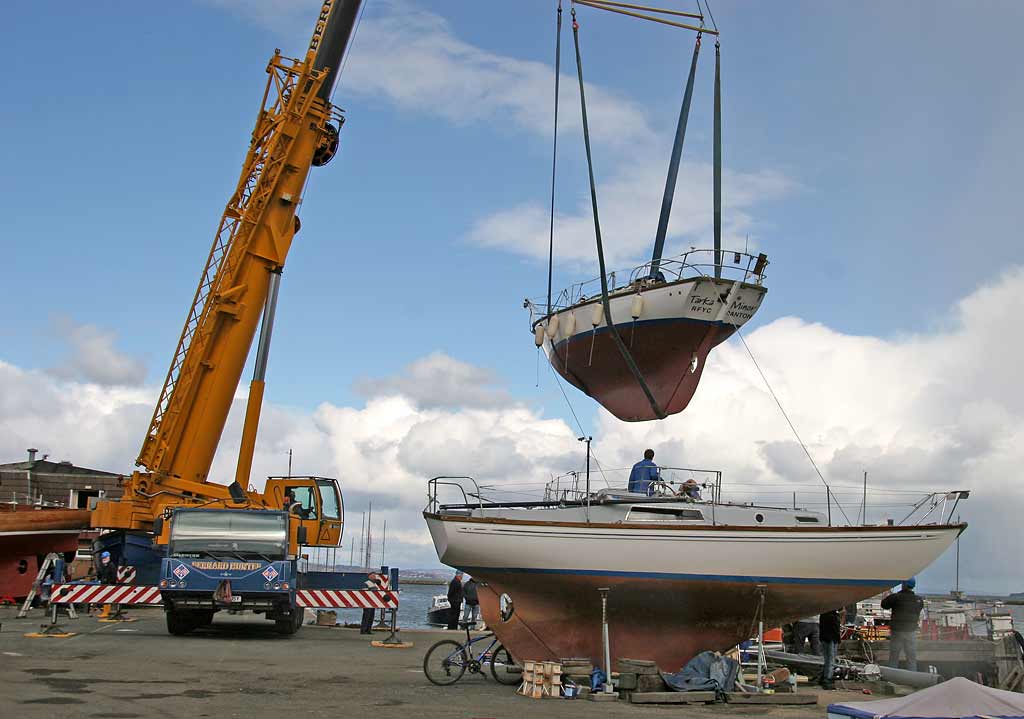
point(829, 631)
point(644, 474)
point(906, 611)
point(455, 594)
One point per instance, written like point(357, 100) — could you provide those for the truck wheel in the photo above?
point(290, 624)
point(179, 623)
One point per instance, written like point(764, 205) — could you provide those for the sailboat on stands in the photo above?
point(639, 347)
point(678, 573)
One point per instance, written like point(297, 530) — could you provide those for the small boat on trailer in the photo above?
point(668, 322)
point(684, 575)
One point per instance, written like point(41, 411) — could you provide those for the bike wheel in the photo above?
point(504, 668)
point(445, 662)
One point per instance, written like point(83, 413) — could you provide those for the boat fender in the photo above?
point(638, 306)
point(552, 326)
point(538, 334)
point(570, 324)
point(597, 316)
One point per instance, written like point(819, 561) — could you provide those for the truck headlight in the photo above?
point(182, 584)
point(172, 584)
point(266, 585)
point(163, 583)
point(284, 585)
point(277, 585)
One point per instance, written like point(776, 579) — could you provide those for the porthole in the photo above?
point(22, 566)
point(505, 607)
point(759, 518)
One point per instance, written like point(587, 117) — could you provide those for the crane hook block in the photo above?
point(328, 146)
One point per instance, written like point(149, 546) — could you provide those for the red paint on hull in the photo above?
point(662, 349)
point(664, 620)
point(27, 535)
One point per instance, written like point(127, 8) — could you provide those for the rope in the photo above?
point(554, 154)
point(623, 350)
point(579, 425)
point(789, 421)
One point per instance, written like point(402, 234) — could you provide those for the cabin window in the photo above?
point(813, 520)
point(759, 517)
point(648, 514)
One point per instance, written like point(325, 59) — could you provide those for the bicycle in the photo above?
point(447, 660)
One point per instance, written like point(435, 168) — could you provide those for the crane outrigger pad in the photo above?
point(669, 326)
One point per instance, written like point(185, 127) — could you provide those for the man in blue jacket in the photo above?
point(644, 474)
point(906, 612)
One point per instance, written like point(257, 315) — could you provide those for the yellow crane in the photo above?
point(296, 128)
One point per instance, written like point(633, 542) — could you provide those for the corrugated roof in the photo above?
point(45, 466)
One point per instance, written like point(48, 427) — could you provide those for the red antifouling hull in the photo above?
point(668, 621)
point(670, 354)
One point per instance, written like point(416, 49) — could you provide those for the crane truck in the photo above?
point(202, 544)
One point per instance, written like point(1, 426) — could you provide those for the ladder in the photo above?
point(48, 564)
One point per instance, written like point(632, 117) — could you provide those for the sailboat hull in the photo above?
point(668, 329)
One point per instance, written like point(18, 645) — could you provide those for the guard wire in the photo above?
point(790, 423)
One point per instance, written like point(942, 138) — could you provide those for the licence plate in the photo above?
point(236, 599)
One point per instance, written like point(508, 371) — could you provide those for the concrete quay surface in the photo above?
point(242, 668)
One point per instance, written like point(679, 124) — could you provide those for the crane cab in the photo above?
point(315, 501)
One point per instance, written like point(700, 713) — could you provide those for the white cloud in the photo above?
point(630, 203)
point(92, 356)
point(438, 380)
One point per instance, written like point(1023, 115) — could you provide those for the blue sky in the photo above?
point(872, 151)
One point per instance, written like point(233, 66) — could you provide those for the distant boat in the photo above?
point(684, 576)
point(668, 324)
point(437, 613)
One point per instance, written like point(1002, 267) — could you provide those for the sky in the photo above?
point(872, 151)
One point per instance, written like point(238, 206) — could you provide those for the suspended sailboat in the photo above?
point(639, 347)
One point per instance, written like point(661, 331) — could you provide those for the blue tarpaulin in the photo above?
point(707, 671)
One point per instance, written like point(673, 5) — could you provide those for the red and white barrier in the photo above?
point(104, 594)
point(345, 599)
point(130, 594)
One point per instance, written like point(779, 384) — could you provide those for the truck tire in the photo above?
point(179, 623)
point(292, 623)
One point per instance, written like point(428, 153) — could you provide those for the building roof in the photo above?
point(45, 466)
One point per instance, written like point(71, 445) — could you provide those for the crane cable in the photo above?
point(554, 155)
point(623, 350)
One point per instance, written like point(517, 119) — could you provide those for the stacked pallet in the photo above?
point(578, 669)
point(541, 679)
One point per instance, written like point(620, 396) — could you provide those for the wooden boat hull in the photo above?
point(669, 329)
point(27, 535)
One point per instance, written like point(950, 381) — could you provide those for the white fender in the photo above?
point(552, 326)
point(638, 306)
point(597, 315)
point(570, 324)
point(538, 334)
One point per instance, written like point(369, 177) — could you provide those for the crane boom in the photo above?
point(296, 128)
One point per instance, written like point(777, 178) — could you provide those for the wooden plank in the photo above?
point(787, 699)
point(672, 697)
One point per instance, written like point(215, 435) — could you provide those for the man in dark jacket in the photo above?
point(829, 627)
point(471, 612)
point(454, 600)
point(906, 611)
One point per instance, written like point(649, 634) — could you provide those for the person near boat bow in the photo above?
point(829, 632)
point(644, 474)
point(455, 594)
point(906, 611)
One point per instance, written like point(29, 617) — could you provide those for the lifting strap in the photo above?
point(718, 162)
point(554, 156)
point(673, 165)
point(623, 350)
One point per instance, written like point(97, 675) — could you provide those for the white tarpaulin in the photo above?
point(958, 698)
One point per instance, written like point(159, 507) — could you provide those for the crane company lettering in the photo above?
point(235, 566)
